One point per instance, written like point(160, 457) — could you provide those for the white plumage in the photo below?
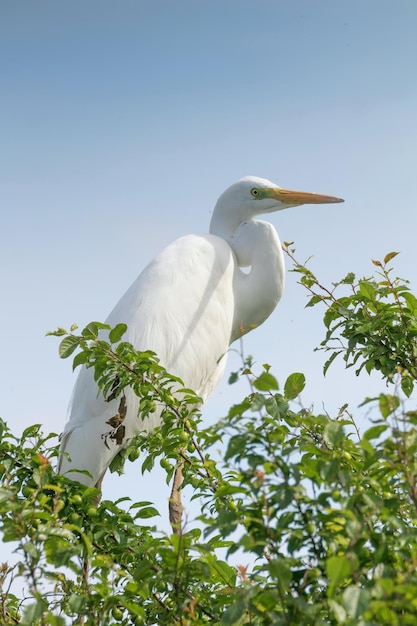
point(188, 305)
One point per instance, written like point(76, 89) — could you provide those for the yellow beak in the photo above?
point(287, 196)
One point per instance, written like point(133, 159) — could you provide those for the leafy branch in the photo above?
point(300, 521)
point(373, 326)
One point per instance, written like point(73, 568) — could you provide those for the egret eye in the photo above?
point(254, 192)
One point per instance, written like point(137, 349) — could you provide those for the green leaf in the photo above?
point(271, 407)
point(356, 601)
point(55, 620)
point(407, 385)
point(266, 382)
point(338, 569)
point(148, 464)
point(330, 361)
point(79, 359)
point(33, 612)
point(236, 446)
point(349, 279)
point(118, 462)
point(68, 345)
point(294, 385)
point(59, 551)
point(239, 409)
point(117, 333)
point(314, 300)
point(31, 431)
point(257, 402)
point(367, 290)
point(388, 404)
point(333, 433)
point(411, 301)
point(76, 602)
point(6, 494)
point(56, 333)
point(92, 329)
point(331, 314)
point(234, 614)
point(226, 572)
point(374, 432)
point(281, 571)
point(31, 549)
point(338, 611)
point(147, 511)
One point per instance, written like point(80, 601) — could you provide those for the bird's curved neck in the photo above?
point(224, 224)
point(257, 292)
point(255, 244)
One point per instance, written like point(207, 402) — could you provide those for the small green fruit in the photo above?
point(183, 437)
point(59, 505)
point(133, 455)
point(92, 511)
point(165, 464)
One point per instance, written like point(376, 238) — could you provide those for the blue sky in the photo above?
point(121, 124)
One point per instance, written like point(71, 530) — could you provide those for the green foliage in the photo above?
point(303, 521)
point(372, 323)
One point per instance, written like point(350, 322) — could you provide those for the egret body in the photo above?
point(188, 305)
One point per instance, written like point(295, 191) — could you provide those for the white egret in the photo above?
point(188, 305)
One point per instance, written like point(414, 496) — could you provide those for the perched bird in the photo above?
point(188, 305)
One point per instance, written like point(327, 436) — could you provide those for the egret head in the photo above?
point(265, 196)
point(252, 196)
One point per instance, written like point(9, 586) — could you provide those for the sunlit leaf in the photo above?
point(411, 301)
point(92, 329)
point(375, 431)
point(146, 512)
point(390, 256)
point(294, 385)
point(367, 290)
point(79, 359)
point(407, 385)
point(257, 401)
point(281, 571)
point(338, 569)
point(356, 601)
point(388, 404)
point(68, 345)
point(334, 433)
point(227, 573)
point(117, 332)
point(266, 382)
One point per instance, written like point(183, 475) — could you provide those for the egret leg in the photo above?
point(97, 499)
point(175, 504)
